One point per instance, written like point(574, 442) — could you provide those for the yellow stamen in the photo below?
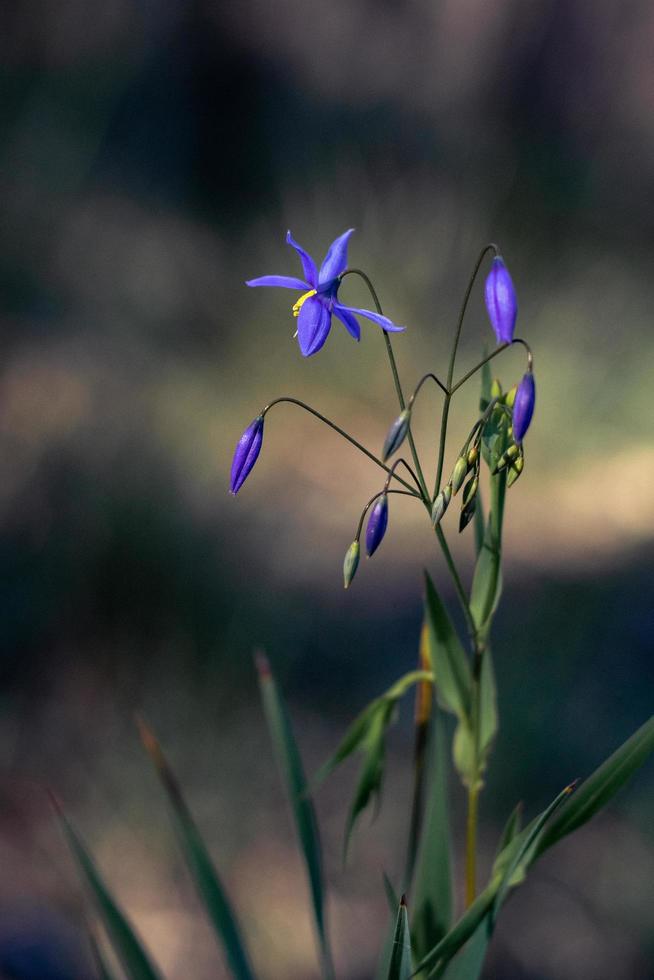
point(302, 300)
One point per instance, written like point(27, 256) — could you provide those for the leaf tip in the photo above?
point(262, 664)
point(403, 901)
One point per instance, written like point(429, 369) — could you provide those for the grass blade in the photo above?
point(432, 902)
point(401, 965)
point(102, 966)
point(199, 863)
point(132, 955)
point(596, 791)
point(304, 816)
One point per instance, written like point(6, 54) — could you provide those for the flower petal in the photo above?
point(336, 258)
point(313, 326)
point(377, 318)
point(308, 265)
point(351, 324)
point(286, 282)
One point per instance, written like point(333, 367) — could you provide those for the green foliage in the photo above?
point(367, 735)
point(432, 892)
point(133, 957)
point(401, 965)
point(199, 864)
point(306, 825)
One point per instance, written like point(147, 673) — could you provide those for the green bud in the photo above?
point(496, 389)
point(509, 456)
point(351, 563)
point(473, 456)
point(509, 398)
point(515, 469)
point(470, 490)
point(459, 474)
point(467, 513)
point(396, 434)
point(441, 504)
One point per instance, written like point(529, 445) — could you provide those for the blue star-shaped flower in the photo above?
point(314, 309)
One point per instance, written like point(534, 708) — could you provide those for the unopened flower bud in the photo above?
point(246, 453)
point(459, 474)
point(441, 504)
point(473, 456)
point(509, 456)
point(496, 389)
point(396, 434)
point(509, 398)
point(523, 408)
point(467, 513)
point(470, 490)
point(377, 524)
point(351, 563)
point(515, 469)
point(501, 301)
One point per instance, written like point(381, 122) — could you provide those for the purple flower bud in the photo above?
point(396, 434)
point(523, 407)
point(377, 523)
point(501, 301)
point(245, 454)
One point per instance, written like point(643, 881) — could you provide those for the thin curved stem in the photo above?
point(380, 493)
point(403, 461)
point(395, 373)
point(341, 432)
point(424, 378)
point(489, 357)
point(458, 584)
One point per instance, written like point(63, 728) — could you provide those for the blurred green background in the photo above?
point(152, 157)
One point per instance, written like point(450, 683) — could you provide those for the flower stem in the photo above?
point(396, 376)
point(341, 432)
point(471, 845)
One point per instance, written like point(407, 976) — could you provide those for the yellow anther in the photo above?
point(302, 300)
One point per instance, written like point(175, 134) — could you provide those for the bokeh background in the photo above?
point(153, 155)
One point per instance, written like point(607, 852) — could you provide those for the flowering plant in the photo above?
point(428, 936)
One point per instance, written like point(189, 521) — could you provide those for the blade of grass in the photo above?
point(102, 966)
point(132, 955)
point(199, 863)
point(401, 966)
point(304, 815)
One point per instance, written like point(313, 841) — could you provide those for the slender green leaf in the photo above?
point(306, 825)
point(488, 722)
point(199, 863)
point(596, 791)
point(432, 902)
point(401, 966)
point(511, 828)
point(451, 667)
point(469, 961)
point(462, 930)
point(132, 955)
point(358, 731)
point(524, 851)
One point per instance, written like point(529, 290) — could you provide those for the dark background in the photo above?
point(152, 157)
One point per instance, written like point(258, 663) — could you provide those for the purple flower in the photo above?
point(318, 302)
point(377, 524)
point(246, 453)
point(523, 407)
point(501, 301)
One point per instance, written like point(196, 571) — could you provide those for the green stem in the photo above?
point(396, 378)
point(471, 844)
point(341, 432)
point(456, 578)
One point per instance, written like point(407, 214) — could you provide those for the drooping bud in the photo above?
point(441, 504)
point(246, 453)
point(508, 457)
point(523, 408)
point(515, 469)
point(351, 563)
point(501, 301)
point(470, 490)
point(377, 524)
point(396, 434)
point(459, 474)
point(473, 456)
